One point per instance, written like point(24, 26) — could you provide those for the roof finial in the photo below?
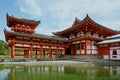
point(4, 28)
point(7, 14)
point(76, 18)
point(87, 15)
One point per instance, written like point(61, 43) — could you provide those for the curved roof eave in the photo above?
point(31, 22)
point(41, 36)
point(87, 18)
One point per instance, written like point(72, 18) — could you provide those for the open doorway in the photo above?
point(68, 51)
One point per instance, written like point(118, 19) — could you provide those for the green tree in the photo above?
point(4, 49)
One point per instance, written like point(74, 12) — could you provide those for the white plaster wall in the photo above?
point(25, 45)
point(88, 46)
point(77, 51)
point(62, 52)
point(94, 47)
point(45, 47)
point(82, 52)
point(114, 48)
point(105, 57)
point(54, 47)
point(88, 51)
point(95, 51)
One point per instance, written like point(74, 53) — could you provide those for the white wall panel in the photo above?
point(77, 51)
point(95, 51)
point(82, 52)
point(88, 51)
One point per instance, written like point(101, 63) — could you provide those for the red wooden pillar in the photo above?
point(13, 72)
point(91, 47)
point(50, 52)
point(57, 52)
point(64, 50)
point(12, 50)
point(85, 48)
point(31, 48)
point(109, 53)
point(80, 48)
point(41, 51)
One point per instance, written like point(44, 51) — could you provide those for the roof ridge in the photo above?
point(22, 18)
point(76, 21)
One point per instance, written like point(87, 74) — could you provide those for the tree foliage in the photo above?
point(4, 48)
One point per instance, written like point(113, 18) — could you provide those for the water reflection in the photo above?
point(59, 73)
point(113, 70)
point(4, 74)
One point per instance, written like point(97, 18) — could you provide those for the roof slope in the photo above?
point(12, 21)
point(76, 21)
point(86, 21)
point(40, 36)
point(113, 39)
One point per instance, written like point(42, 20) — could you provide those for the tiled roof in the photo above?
point(23, 19)
point(41, 36)
point(113, 39)
point(76, 21)
point(86, 21)
point(12, 21)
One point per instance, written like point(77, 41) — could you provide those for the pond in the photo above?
point(22, 72)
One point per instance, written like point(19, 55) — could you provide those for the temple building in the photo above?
point(22, 38)
point(82, 38)
point(110, 47)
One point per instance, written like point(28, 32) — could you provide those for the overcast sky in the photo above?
point(57, 15)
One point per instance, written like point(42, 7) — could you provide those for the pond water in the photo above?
point(22, 72)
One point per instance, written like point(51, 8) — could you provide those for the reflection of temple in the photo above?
point(31, 69)
point(32, 72)
point(113, 70)
point(106, 72)
point(80, 39)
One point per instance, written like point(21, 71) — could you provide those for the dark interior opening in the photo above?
point(68, 51)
